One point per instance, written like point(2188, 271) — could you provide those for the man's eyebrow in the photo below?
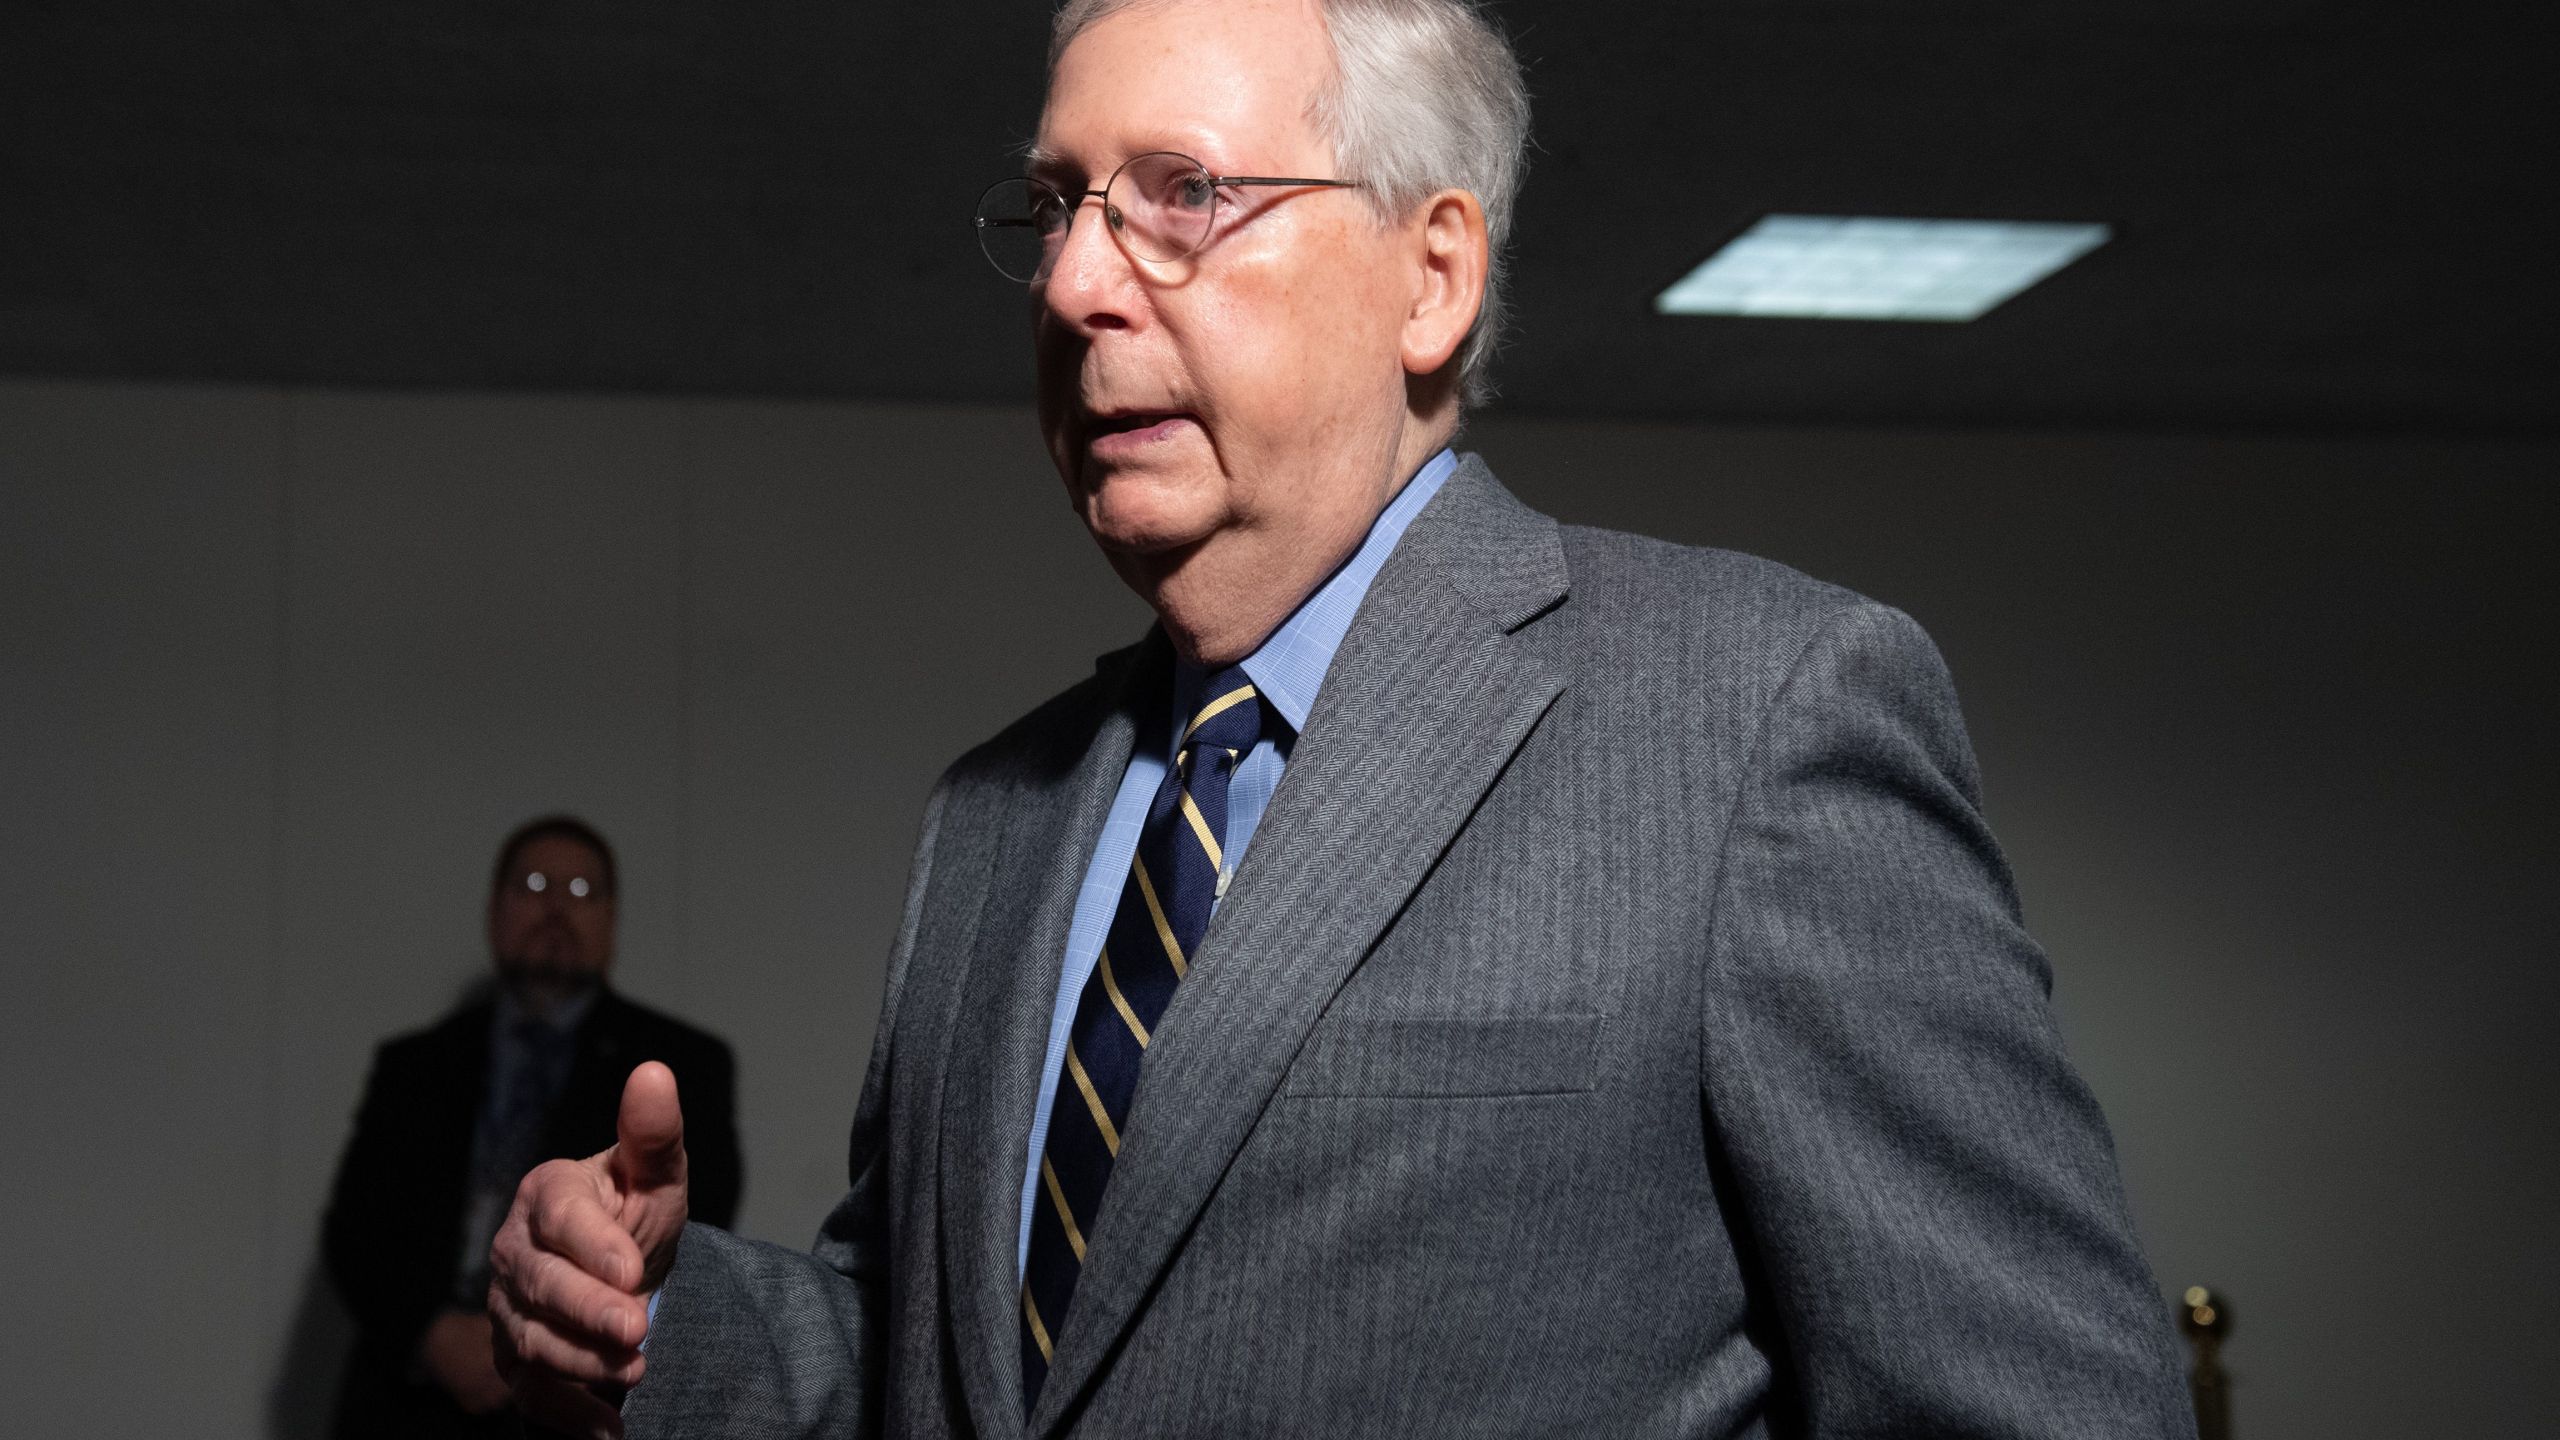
point(1038, 159)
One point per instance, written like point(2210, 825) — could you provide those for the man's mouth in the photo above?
point(1129, 431)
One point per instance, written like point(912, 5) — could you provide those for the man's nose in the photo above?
point(1090, 278)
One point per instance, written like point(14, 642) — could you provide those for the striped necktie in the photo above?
point(1164, 910)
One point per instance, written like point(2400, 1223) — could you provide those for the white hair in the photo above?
point(1425, 96)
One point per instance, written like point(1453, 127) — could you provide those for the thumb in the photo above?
point(648, 1152)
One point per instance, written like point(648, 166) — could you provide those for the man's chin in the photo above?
point(1141, 514)
point(543, 990)
point(1152, 545)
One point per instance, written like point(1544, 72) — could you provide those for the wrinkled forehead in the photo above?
point(1226, 81)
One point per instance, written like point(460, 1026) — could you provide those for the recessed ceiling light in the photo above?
point(1830, 267)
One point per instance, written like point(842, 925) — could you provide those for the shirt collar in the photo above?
point(564, 1018)
point(1288, 668)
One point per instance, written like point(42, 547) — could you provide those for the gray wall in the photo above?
point(2263, 722)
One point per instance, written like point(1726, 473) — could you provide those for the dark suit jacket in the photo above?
point(393, 1233)
point(1620, 1025)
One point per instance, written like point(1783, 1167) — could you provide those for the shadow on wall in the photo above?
point(305, 1387)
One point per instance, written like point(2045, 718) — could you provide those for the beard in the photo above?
point(569, 974)
point(547, 967)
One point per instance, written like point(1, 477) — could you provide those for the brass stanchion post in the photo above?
point(2207, 1321)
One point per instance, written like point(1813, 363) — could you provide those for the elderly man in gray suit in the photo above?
point(1459, 974)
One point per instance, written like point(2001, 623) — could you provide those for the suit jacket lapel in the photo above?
point(993, 1068)
point(1434, 689)
point(449, 1108)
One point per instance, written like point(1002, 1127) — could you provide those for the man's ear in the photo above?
point(1453, 260)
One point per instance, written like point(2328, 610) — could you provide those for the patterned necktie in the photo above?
point(507, 1141)
point(1164, 910)
point(510, 1142)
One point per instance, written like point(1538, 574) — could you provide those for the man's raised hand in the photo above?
point(584, 1246)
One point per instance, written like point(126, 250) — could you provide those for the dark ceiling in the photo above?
point(2330, 214)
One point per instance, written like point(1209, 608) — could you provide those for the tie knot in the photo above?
point(546, 1050)
point(1229, 715)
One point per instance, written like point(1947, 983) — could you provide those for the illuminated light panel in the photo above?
point(1827, 267)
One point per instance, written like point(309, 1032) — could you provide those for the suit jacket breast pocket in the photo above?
point(1447, 1058)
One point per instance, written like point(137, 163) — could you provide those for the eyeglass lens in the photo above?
point(1160, 206)
point(576, 887)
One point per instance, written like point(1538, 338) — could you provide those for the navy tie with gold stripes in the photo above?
point(1164, 910)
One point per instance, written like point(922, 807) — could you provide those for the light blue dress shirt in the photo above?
point(1288, 670)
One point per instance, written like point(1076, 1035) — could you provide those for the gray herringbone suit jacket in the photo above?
point(1620, 1025)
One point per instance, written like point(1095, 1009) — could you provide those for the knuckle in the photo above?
point(506, 1253)
point(553, 1212)
point(535, 1182)
point(547, 1278)
point(548, 1352)
point(512, 1331)
point(570, 1294)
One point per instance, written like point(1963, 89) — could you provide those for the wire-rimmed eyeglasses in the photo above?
point(1161, 206)
point(534, 884)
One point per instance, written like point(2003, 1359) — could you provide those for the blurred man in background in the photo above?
point(454, 1116)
